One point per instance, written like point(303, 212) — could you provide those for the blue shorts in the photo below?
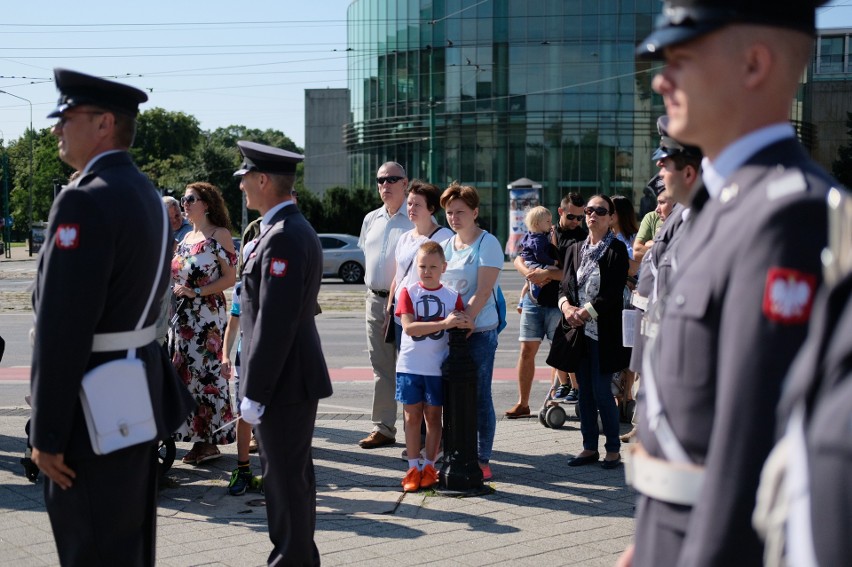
point(537, 321)
point(415, 388)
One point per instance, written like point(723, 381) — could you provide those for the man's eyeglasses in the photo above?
point(600, 211)
point(389, 179)
point(570, 217)
point(60, 123)
point(189, 199)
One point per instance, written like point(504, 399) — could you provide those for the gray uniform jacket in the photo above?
point(735, 319)
point(822, 378)
point(94, 275)
point(282, 357)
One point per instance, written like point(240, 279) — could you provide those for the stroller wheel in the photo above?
point(166, 454)
point(542, 419)
point(555, 417)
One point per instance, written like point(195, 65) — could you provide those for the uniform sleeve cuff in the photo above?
point(588, 307)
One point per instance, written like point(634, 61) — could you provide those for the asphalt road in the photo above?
point(344, 346)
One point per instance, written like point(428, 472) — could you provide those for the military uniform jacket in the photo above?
point(95, 273)
point(282, 357)
point(734, 321)
point(821, 378)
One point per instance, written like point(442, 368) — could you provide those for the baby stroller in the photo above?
point(553, 412)
point(165, 454)
point(553, 415)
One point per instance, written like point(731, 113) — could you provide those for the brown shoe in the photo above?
point(518, 411)
point(375, 440)
point(253, 444)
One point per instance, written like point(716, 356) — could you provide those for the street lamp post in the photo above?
point(32, 135)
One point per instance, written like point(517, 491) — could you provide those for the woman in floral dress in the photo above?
point(203, 267)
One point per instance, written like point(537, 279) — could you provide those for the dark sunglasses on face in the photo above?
point(191, 199)
point(600, 211)
point(571, 217)
point(389, 179)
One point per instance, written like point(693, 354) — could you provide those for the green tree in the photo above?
point(164, 147)
point(842, 166)
point(342, 209)
point(47, 167)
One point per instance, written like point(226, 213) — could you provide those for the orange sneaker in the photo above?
point(411, 482)
point(428, 477)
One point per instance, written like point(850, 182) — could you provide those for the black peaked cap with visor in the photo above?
point(80, 89)
point(685, 20)
point(266, 159)
point(669, 147)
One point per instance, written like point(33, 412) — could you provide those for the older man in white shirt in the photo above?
point(379, 234)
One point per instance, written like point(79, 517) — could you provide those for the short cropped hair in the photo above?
point(464, 192)
point(535, 215)
point(572, 199)
point(170, 201)
point(432, 247)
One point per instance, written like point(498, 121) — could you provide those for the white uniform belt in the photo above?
point(649, 329)
point(109, 342)
point(639, 302)
point(661, 480)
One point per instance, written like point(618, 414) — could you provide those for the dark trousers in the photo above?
point(109, 515)
point(596, 396)
point(285, 435)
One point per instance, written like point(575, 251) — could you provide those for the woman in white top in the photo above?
point(474, 262)
point(422, 201)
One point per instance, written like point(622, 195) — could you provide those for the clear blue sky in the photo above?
point(223, 62)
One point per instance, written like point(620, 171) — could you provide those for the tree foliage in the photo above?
point(842, 166)
point(173, 150)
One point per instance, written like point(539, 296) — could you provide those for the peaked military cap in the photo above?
point(78, 89)
point(670, 147)
point(266, 159)
point(656, 184)
point(685, 20)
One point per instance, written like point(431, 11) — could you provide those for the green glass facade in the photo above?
point(489, 92)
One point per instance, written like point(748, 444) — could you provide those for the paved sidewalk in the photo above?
point(540, 513)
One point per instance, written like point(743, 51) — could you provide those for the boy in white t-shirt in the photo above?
point(426, 309)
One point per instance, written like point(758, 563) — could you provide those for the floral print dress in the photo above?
point(195, 342)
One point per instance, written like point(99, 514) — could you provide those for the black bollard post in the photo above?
point(460, 471)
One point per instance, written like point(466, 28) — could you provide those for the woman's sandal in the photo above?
point(191, 457)
point(207, 452)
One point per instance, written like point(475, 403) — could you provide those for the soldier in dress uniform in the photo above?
point(806, 481)
point(746, 276)
point(284, 371)
point(680, 170)
point(104, 246)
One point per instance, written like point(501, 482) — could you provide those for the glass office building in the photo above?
point(487, 92)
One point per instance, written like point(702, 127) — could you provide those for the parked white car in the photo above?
point(341, 257)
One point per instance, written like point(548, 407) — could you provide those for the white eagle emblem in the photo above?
point(68, 236)
point(278, 268)
point(788, 295)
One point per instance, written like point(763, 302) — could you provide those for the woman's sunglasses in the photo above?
point(190, 199)
point(600, 211)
